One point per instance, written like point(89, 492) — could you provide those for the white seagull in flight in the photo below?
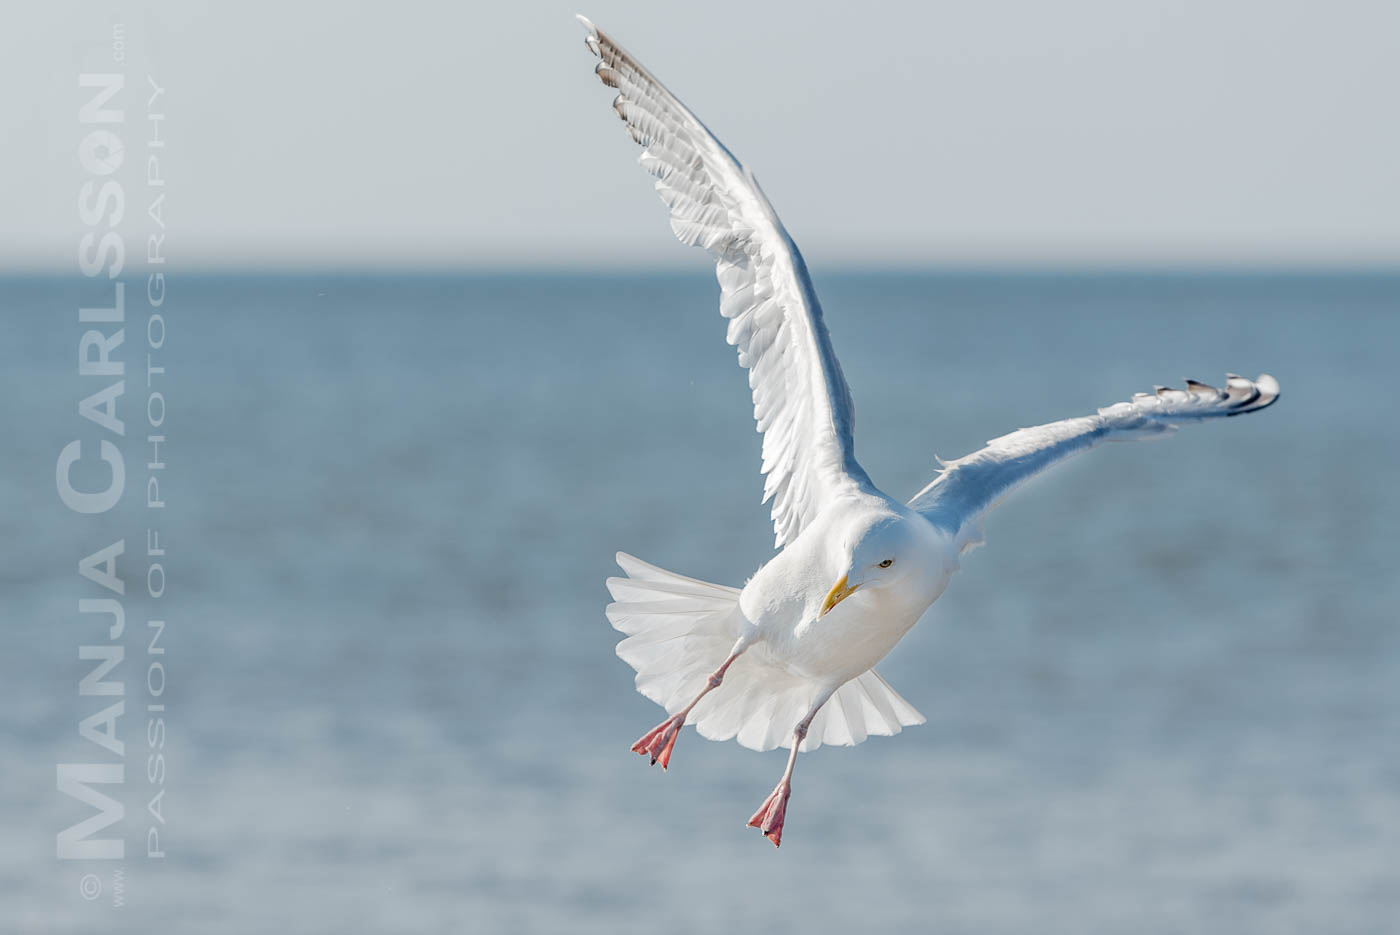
point(787, 661)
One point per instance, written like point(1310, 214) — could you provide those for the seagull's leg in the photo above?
point(770, 815)
point(661, 739)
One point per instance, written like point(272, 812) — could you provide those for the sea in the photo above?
point(360, 680)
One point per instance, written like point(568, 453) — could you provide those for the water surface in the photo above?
point(1163, 697)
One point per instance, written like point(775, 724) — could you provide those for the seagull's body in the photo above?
point(783, 600)
point(788, 661)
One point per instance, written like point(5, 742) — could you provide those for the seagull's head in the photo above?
point(879, 554)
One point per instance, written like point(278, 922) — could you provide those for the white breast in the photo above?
point(782, 602)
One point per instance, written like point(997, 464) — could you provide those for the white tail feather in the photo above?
point(679, 630)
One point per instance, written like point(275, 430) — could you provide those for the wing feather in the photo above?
point(967, 488)
point(801, 402)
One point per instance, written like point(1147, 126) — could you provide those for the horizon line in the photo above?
point(1370, 269)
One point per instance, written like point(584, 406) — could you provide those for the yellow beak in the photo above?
point(838, 593)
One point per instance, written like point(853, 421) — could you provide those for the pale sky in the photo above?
point(1084, 132)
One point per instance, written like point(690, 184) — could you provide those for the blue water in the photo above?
point(1163, 698)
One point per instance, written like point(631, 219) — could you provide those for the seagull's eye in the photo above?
point(887, 563)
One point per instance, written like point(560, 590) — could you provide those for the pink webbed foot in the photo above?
point(658, 742)
point(769, 817)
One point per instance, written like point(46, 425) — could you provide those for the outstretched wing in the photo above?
point(967, 488)
point(800, 398)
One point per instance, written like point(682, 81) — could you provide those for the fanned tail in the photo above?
point(679, 630)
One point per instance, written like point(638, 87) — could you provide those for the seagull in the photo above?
point(788, 660)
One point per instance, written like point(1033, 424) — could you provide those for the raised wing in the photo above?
point(800, 398)
point(967, 488)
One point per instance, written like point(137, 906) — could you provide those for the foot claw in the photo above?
point(770, 815)
point(658, 742)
